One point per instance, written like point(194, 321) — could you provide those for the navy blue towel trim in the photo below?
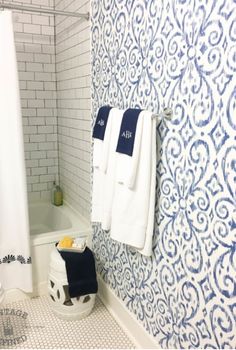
point(101, 122)
point(127, 131)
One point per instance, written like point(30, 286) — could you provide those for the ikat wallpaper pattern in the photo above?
point(180, 54)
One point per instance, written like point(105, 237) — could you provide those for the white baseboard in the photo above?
point(134, 330)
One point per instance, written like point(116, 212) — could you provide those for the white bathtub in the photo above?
point(48, 224)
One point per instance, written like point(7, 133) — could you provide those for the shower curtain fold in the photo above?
point(15, 260)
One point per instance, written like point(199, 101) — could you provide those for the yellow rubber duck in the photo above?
point(66, 242)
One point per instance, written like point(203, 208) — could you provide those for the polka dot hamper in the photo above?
point(62, 304)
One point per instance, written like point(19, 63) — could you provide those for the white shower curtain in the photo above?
point(15, 260)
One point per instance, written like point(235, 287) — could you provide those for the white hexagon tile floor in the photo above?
point(41, 329)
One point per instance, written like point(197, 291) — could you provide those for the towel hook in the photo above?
point(167, 113)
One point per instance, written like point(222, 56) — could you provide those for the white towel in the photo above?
point(101, 179)
point(107, 141)
point(127, 165)
point(99, 132)
point(97, 152)
point(109, 166)
point(147, 248)
point(99, 158)
point(133, 208)
point(98, 180)
point(98, 176)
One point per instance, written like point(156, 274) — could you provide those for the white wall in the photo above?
point(34, 38)
point(73, 92)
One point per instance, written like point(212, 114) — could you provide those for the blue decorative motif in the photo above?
point(224, 272)
point(209, 244)
point(218, 135)
point(187, 132)
point(179, 269)
point(213, 185)
point(222, 323)
point(203, 329)
point(181, 54)
point(208, 292)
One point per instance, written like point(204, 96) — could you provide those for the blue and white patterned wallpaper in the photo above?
point(180, 54)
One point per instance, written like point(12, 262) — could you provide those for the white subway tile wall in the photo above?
point(35, 46)
point(74, 111)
